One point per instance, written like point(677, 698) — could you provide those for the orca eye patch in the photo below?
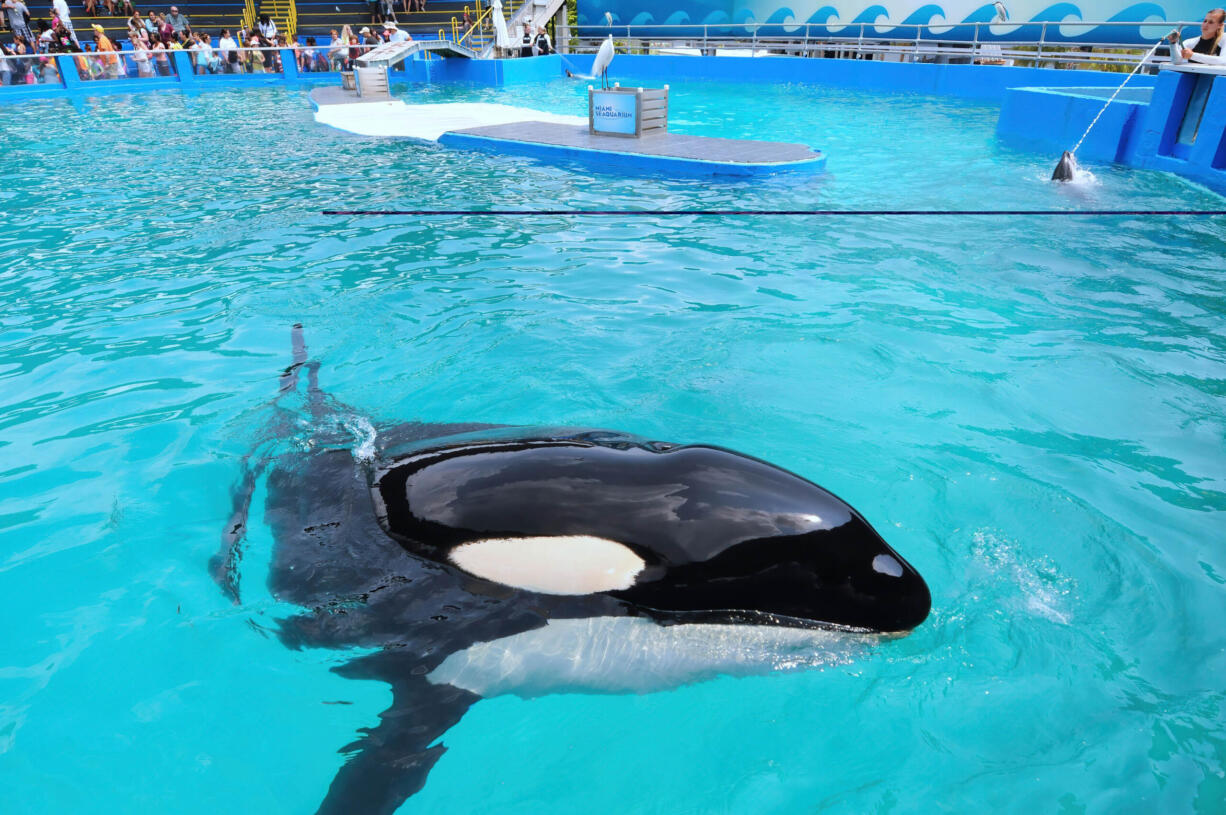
point(565, 564)
point(886, 564)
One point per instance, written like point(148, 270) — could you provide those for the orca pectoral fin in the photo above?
point(391, 761)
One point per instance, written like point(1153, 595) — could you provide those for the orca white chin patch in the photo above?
point(567, 564)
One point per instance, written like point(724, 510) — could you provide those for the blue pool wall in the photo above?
point(1136, 132)
point(1041, 108)
point(1052, 120)
point(986, 83)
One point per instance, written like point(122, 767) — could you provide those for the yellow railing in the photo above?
point(248, 14)
point(291, 21)
point(475, 28)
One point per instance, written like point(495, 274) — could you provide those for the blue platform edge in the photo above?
point(1133, 132)
point(622, 162)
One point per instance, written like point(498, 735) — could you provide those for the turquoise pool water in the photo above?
point(1030, 411)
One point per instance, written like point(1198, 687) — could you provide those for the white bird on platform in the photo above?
point(1002, 13)
point(603, 57)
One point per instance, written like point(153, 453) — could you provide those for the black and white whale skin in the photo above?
point(465, 560)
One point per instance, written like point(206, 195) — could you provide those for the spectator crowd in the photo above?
point(27, 54)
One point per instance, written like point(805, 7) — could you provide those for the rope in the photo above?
point(1144, 59)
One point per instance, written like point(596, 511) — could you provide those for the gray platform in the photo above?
point(332, 95)
point(660, 145)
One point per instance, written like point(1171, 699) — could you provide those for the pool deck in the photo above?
point(507, 130)
point(332, 95)
point(735, 156)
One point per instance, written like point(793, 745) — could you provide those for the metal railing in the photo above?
point(988, 43)
point(475, 35)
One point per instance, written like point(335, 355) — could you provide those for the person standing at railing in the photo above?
point(140, 55)
point(336, 51)
point(226, 47)
point(107, 58)
point(206, 61)
point(161, 60)
point(255, 57)
point(1205, 49)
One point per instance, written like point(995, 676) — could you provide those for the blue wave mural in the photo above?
point(949, 20)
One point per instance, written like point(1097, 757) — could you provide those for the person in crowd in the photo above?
point(387, 11)
point(266, 27)
point(18, 16)
point(161, 59)
point(255, 57)
point(60, 8)
point(62, 41)
point(91, 7)
point(355, 49)
point(6, 65)
point(273, 58)
point(541, 43)
point(202, 53)
point(45, 37)
point(140, 56)
point(15, 71)
point(49, 71)
point(136, 26)
point(336, 50)
point(1205, 49)
point(227, 49)
point(177, 21)
point(125, 7)
point(162, 27)
point(108, 58)
point(394, 34)
point(307, 57)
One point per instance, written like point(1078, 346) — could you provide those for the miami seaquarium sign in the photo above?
point(1028, 20)
point(614, 112)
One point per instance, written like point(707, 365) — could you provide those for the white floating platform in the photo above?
point(345, 110)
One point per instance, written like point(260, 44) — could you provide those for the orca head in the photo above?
point(679, 533)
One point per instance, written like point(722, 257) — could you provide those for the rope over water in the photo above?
point(1144, 60)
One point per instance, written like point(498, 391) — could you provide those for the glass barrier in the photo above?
point(29, 69)
point(250, 61)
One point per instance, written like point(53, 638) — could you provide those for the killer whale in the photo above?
point(413, 552)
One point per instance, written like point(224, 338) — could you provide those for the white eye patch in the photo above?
point(567, 564)
point(884, 564)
